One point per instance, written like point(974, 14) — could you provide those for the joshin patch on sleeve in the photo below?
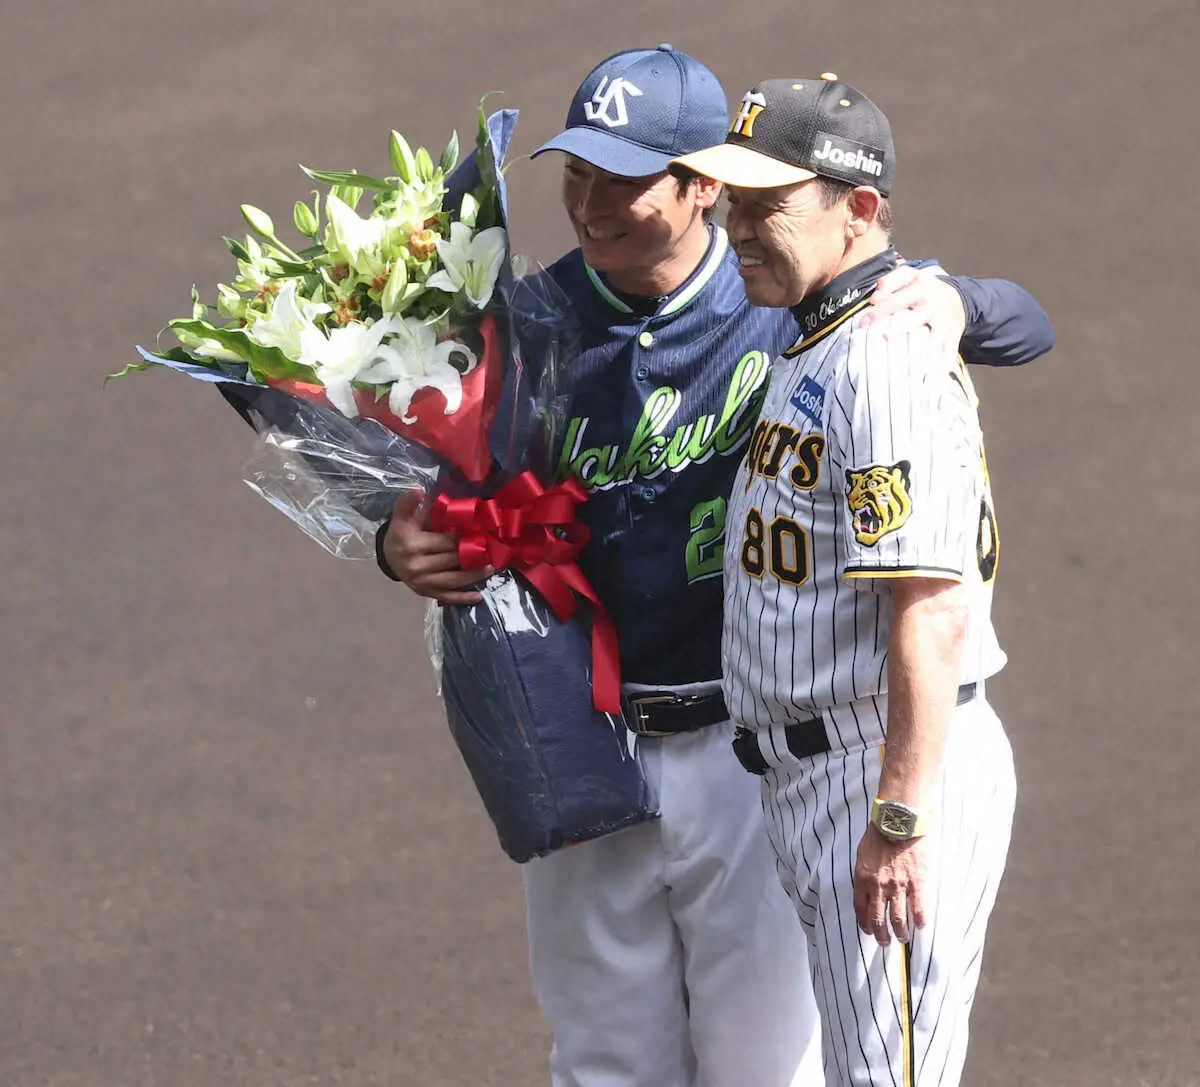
point(878, 500)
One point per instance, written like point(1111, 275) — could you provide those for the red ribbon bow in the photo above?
point(533, 529)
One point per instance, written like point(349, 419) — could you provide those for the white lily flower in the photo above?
point(415, 360)
point(288, 319)
point(354, 238)
point(412, 205)
point(471, 264)
point(345, 355)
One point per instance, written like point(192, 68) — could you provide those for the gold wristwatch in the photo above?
point(898, 822)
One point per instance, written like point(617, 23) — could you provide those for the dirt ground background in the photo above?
point(236, 842)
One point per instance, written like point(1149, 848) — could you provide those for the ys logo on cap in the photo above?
point(608, 102)
point(752, 105)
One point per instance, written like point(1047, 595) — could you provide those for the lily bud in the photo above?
point(469, 210)
point(347, 194)
point(402, 158)
point(449, 157)
point(424, 162)
point(393, 293)
point(304, 219)
point(259, 220)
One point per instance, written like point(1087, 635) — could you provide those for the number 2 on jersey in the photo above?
point(705, 544)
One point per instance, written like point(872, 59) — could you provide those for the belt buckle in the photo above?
point(641, 718)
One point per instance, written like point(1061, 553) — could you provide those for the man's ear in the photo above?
point(707, 191)
point(863, 204)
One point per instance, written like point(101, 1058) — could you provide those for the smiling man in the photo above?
point(859, 562)
point(668, 955)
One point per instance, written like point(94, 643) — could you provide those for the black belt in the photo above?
point(652, 714)
point(804, 738)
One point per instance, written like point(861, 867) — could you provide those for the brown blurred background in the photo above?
point(237, 845)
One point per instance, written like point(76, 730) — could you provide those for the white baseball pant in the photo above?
point(895, 1016)
point(667, 955)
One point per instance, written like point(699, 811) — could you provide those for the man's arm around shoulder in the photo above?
point(1005, 324)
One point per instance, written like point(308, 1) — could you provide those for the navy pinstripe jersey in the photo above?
point(662, 406)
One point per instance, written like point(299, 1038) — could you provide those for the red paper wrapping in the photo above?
point(461, 438)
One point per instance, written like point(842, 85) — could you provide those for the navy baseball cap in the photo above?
point(790, 130)
point(639, 109)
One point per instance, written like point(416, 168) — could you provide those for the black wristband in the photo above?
point(382, 562)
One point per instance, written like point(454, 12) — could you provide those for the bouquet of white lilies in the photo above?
point(386, 313)
point(374, 303)
point(395, 349)
point(374, 355)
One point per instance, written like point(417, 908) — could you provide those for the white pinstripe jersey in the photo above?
point(866, 464)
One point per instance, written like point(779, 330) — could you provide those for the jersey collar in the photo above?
point(683, 294)
point(842, 297)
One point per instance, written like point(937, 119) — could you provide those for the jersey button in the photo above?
point(642, 372)
point(649, 494)
point(646, 339)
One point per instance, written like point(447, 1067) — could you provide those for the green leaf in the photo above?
point(130, 368)
point(482, 139)
point(175, 354)
point(489, 212)
point(264, 361)
point(449, 157)
point(487, 191)
point(481, 130)
point(290, 269)
point(237, 249)
point(349, 177)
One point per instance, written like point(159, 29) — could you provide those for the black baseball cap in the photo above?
point(789, 130)
point(639, 109)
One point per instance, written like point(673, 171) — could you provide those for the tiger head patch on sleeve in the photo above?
point(878, 498)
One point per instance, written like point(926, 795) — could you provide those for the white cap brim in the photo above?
point(736, 164)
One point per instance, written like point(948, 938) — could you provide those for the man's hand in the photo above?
point(888, 880)
point(914, 298)
point(427, 562)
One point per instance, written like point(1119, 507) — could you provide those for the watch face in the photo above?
point(897, 822)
